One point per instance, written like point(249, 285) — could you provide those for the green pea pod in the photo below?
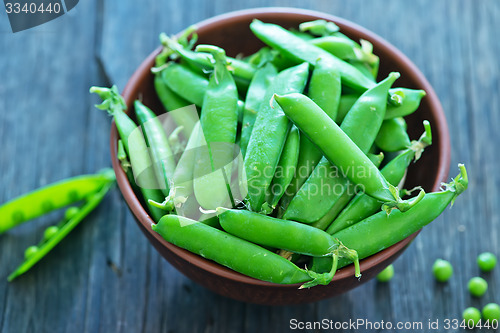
point(319, 27)
point(296, 48)
point(286, 168)
point(322, 190)
point(186, 83)
point(344, 198)
point(340, 47)
point(386, 230)
point(51, 197)
point(277, 233)
point(410, 101)
point(255, 96)
point(392, 135)
point(172, 102)
point(363, 205)
point(269, 134)
point(159, 147)
point(346, 155)
point(182, 178)
point(68, 224)
point(235, 253)
point(219, 121)
point(362, 122)
point(345, 104)
point(327, 184)
point(240, 69)
point(135, 146)
point(324, 90)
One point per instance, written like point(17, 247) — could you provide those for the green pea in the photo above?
point(442, 270)
point(387, 274)
point(471, 314)
point(491, 312)
point(477, 286)
point(50, 231)
point(486, 261)
point(71, 212)
point(30, 251)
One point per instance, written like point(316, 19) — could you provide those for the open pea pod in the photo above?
point(53, 235)
point(51, 197)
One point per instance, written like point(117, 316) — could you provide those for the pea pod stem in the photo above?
point(65, 228)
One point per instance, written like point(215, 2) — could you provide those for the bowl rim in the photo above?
point(262, 13)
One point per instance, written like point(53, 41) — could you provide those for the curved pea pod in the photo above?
point(185, 83)
point(409, 102)
point(53, 235)
point(255, 97)
point(269, 135)
point(235, 253)
point(386, 230)
point(159, 147)
point(51, 197)
point(286, 168)
point(346, 155)
point(219, 120)
point(298, 49)
point(362, 206)
point(135, 146)
point(392, 135)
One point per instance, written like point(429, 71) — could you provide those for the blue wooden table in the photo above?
point(106, 277)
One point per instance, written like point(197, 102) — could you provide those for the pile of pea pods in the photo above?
point(283, 165)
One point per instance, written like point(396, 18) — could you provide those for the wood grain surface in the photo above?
point(105, 276)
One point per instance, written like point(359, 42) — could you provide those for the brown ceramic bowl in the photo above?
point(231, 31)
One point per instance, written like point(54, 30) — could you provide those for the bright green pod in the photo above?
point(172, 102)
point(386, 230)
point(51, 197)
point(295, 48)
point(255, 97)
point(269, 135)
point(35, 253)
point(233, 252)
point(135, 147)
point(219, 121)
point(185, 83)
point(362, 206)
point(286, 168)
point(324, 89)
point(410, 101)
point(277, 233)
point(392, 136)
point(346, 155)
point(159, 147)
